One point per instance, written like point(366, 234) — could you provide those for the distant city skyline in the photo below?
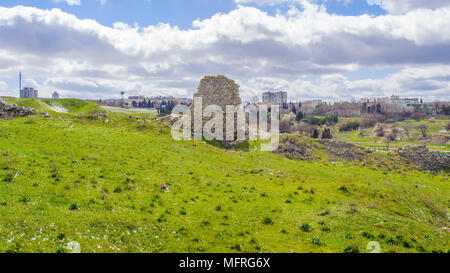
point(332, 50)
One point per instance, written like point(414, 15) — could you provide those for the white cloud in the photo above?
point(86, 58)
point(263, 2)
point(402, 6)
point(69, 2)
point(410, 82)
point(3, 86)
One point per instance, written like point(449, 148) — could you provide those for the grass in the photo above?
point(368, 140)
point(71, 178)
point(74, 106)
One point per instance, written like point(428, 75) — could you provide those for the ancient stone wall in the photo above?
point(294, 149)
point(12, 111)
point(220, 91)
point(425, 159)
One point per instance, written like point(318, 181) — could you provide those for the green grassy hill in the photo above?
point(60, 105)
point(70, 178)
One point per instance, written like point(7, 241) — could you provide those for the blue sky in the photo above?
point(329, 49)
point(176, 12)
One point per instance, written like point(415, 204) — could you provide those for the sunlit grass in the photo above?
point(70, 178)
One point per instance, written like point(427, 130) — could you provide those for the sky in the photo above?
point(333, 50)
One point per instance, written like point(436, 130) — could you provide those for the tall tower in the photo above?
point(20, 84)
point(122, 100)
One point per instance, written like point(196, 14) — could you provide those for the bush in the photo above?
point(344, 189)
point(284, 126)
point(314, 121)
point(267, 221)
point(367, 123)
point(448, 127)
point(380, 131)
point(423, 129)
point(302, 128)
point(351, 249)
point(306, 227)
point(315, 134)
point(418, 115)
point(349, 126)
point(299, 116)
point(316, 241)
point(392, 137)
point(331, 119)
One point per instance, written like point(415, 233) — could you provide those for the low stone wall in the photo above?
point(294, 149)
point(425, 159)
point(344, 150)
point(12, 111)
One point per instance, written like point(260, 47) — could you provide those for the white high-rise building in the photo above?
point(275, 97)
point(29, 93)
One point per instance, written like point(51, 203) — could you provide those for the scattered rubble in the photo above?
point(294, 149)
point(344, 150)
point(164, 187)
point(12, 111)
point(169, 119)
point(425, 159)
point(437, 139)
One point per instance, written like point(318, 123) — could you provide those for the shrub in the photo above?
point(284, 126)
point(418, 115)
point(349, 126)
point(380, 131)
point(325, 229)
point(306, 227)
point(314, 121)
point(267, 221)
point(367, 235)
point(392, 137)
point(14, 247)
point(367, 123)
point(299, 116)
point(316, 241)
point(303, 128)
point(351, 249)
point(423, 129)
point(324, 213)
point(315, 134)
point(331, 119)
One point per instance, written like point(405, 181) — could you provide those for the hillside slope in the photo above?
point(72, 178)
point(60, 105)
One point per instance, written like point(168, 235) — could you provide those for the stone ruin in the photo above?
point(327, 134)
point(294, 149)
point(12, 111)
point(425, 159)
point(220, 91)
point(344, 150)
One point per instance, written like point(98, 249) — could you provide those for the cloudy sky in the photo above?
point(329, 49)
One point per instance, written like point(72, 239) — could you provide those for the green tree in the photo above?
point(299, 116)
